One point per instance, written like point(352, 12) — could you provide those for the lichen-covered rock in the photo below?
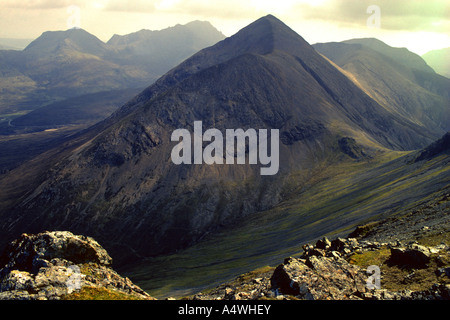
point(319, 278)
point(53, 265)
point(31, 251)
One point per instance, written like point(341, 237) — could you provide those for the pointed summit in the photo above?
point(266, 35)
point(275, 35)
point(261, 37)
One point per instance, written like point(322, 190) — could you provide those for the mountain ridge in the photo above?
point(438, 60)
point(401, 55)
point(63, 64)
point(420, 96)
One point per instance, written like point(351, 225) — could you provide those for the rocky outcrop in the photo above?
point(325, 272)
point(60, 265)
point(319, 278)
point(322, 273)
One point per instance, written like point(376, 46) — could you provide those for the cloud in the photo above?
point(411, 15)
point(231, 9)
point(399, 15)
point(142, 6)
point(40, 4)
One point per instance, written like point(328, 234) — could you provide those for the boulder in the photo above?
point(30, 252)
point(53, 265)
point(339, 244)
point(323, 244)
point(319, 278)
point(414, 256)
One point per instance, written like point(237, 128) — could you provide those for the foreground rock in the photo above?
point(61, 265)
point(324, 272)
point(319, 278)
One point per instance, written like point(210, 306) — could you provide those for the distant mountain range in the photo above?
point(14, 44)
point(351, 103)
point(397, 79)
point(439, 61)
point(64, 64)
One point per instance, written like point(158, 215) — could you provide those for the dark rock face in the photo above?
point(51, 265)
point(26, 252)
point(350, 148)
point(414, 256)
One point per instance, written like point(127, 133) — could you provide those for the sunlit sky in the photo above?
point(418, 25)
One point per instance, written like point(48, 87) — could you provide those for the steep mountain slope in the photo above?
point(439, 61)
point(402, 56)
point(402, 86)
point(117, 182)
point(59, 82)
point(441, 146)
point(29, 135)
point(420, 72)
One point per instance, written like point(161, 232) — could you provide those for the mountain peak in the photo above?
point(199, 23)
point(263, 36)
point(269, 33)
point(77, 39)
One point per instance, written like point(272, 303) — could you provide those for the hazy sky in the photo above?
point(419, 25)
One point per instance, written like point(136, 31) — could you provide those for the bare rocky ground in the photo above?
point(410, 250)
point(62, 266)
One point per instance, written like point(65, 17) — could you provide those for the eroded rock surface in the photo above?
point(54, 265)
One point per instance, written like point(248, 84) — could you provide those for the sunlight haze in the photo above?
point(420, 26)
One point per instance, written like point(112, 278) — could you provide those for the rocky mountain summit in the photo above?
point(61, 265)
